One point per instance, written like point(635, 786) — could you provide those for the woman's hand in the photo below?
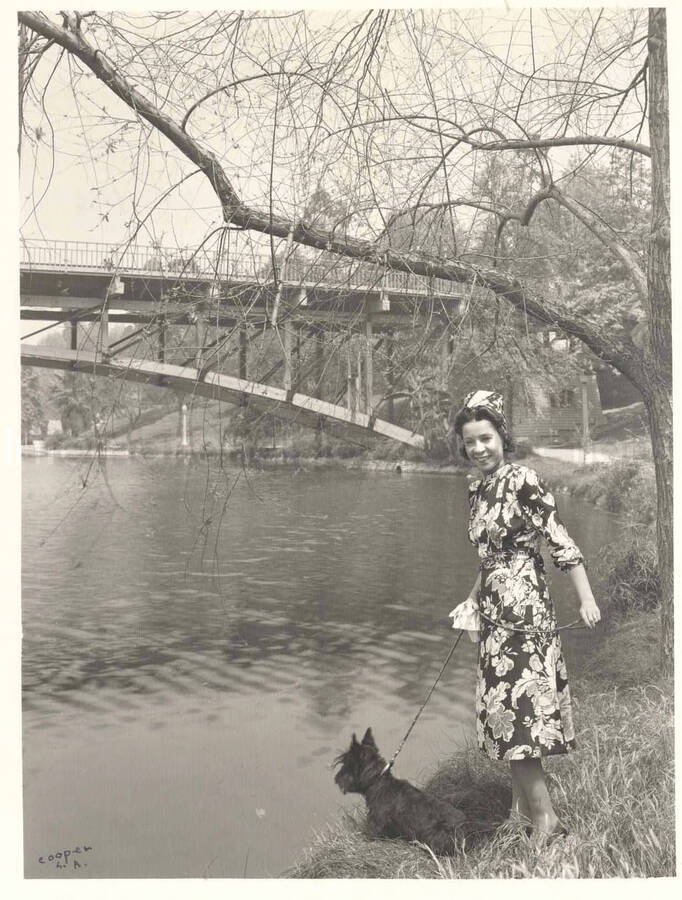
point(589, 612)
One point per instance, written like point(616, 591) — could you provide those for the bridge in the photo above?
point(322, 301)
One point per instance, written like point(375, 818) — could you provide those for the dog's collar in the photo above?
point(379, 776)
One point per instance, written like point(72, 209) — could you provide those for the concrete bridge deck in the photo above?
point(139, 283)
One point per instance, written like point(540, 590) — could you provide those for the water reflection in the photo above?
point(246, 615)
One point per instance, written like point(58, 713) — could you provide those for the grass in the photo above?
point(615, 795)
point(632, 580)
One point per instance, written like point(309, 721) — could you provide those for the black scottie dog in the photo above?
point(395, 808)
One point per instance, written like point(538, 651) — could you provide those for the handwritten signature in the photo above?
point(63, 859)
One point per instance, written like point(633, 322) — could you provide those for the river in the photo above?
point(199, 644)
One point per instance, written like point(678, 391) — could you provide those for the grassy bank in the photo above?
point(615, 795)
point(625, 487)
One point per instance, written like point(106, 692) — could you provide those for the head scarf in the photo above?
point(491, 401)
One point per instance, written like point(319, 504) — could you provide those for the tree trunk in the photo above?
point(659, 400)
point(659, 291)
point(659, 409)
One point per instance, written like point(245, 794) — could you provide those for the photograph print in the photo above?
point(346, 443)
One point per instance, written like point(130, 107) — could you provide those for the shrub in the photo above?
point(631, 577)
point(437, 448)
point(55, 441)
point(631, 488)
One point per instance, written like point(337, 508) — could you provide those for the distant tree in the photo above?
point(74, 406)
point(33, 415)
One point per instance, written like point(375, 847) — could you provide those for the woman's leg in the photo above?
point(519, 807)
point(530, 778)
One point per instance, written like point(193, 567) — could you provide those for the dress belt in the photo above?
point(509, 555)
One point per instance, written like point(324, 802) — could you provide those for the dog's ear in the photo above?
point(368, 739)
point(354, 741)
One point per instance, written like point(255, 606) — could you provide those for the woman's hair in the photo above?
point(476, 414)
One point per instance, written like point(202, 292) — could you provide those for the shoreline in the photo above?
point(592, 482)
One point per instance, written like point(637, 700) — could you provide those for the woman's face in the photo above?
point(483, 445)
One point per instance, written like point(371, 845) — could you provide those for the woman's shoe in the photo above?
point(557, 832)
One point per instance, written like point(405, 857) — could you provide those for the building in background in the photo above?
point(557, 417)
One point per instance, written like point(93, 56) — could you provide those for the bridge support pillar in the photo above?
point(357, 381)
point(349, 375)
point(390, 376)
point(287, 340)
point(162, 339)
point(320, 440)
point(296, 363)
point(355, 353)
point(369, 370)
point(183, 424)
point(199, 344)
point(445, 357)
point(243, 352)
point(318, 375)
point(103, 335)
point(74, 334)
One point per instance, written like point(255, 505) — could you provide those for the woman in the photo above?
point(522, 699)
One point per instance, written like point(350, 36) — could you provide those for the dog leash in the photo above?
point(577, 623)
point(389, 765)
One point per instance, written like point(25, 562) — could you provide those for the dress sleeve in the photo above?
point(539, 509)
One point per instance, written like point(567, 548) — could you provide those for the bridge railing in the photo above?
point(187, 263)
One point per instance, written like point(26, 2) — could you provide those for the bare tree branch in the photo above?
point(237, 213)
point(603, 234)
point(504, 143)
point(73, 41)
point(546, 143)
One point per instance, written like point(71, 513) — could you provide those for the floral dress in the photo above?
point(523, 706)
